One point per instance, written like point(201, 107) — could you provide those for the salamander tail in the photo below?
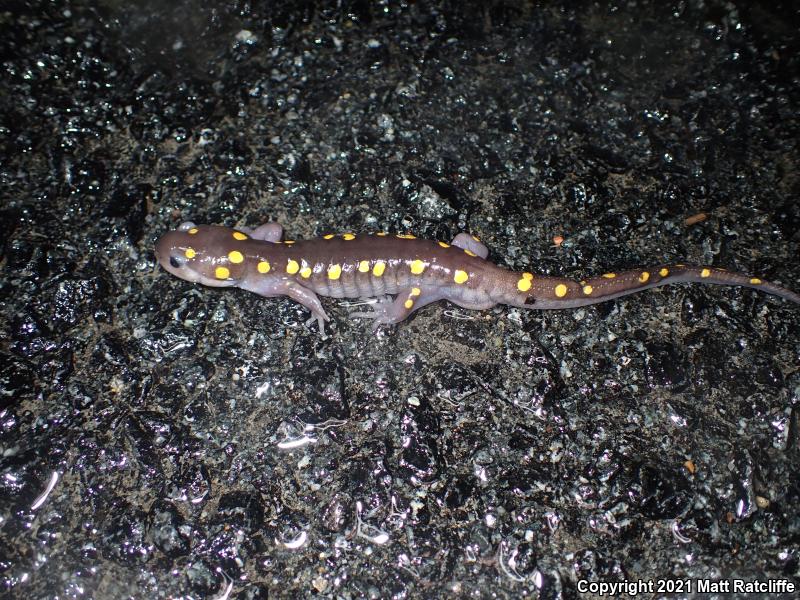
point(555, 292)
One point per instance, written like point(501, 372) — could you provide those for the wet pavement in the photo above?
point(163, 440)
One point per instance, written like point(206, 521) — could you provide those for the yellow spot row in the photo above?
point(524, 283)
point(402, 236)
point(293, 267)
point(417, 267)
point(351, 236)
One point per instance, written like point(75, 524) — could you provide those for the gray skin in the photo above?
point(418, 272)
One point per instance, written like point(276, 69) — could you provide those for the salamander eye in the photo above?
point(175, 262)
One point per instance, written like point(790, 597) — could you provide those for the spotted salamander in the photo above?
point(417, 271)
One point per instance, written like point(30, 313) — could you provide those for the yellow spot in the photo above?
point(235, 257)
point(379, 268)
point(476, 238)
point(263, 267)
point(587, 289)
point(644, 277)
point(415, 292)
point(417, 267)
point(334, 271)
point(305, 272)
point(328, 236)
point(444, 245)
point(406, 236)
point(470, 253)
point(382, 233)
point(190, 253)
point(664, 272)
point(292, 267)
point(561, 290)
point(528, 276)
point(460, 276)
point(363, 266)
point(755, 281)
point(222, 272)
point(408, 303)
point(289, 242)
point(705, 273)
point(238, 235)
point(348, 236)
point(609, 275)
point(192, 231)
point(523, 285)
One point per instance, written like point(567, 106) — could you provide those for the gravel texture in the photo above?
point(162, 440)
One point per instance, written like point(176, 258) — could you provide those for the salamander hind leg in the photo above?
point(389, 312)
point(471, 244)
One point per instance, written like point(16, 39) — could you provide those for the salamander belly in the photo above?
point(360, 279)
point(370, 266)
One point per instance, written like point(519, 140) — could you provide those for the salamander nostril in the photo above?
point(175, 262)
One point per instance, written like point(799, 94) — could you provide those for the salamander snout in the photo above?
point(171, 254)
point(168, 254)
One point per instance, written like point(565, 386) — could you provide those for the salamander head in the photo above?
point(205, 254)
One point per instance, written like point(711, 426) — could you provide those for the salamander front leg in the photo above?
point(388, 312)
point(271, 287)
point(269, 232)
point(309, 299)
